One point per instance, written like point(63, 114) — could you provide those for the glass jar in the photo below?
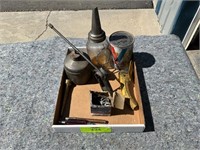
point(100, 53)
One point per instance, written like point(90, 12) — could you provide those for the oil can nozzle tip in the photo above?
point(96, 34)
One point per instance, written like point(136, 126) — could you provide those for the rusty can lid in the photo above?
point(121, 39)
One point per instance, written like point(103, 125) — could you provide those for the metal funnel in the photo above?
point(96, 34)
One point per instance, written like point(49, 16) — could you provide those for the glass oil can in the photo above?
point(97, 44)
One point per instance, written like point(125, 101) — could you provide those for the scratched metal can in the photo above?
point(121, 46)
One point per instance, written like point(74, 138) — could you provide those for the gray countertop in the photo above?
point(29, 80)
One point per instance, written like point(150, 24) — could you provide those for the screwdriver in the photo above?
point(75, 121)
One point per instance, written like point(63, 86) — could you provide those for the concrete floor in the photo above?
point(29, 26)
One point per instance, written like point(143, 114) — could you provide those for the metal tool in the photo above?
point(75, 121)
point(99, 73)
point(97, 121)
point(125, 79)
point(64, 103)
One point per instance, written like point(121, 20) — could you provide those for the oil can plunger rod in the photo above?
point(100, 73)
point(74, 47)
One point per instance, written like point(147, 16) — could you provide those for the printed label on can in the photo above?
point(122, 48)
point(113, 53)
point(121, 55)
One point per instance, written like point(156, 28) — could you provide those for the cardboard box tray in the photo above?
point(78, 105)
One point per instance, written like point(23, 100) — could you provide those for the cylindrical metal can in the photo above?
point(121, 46)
